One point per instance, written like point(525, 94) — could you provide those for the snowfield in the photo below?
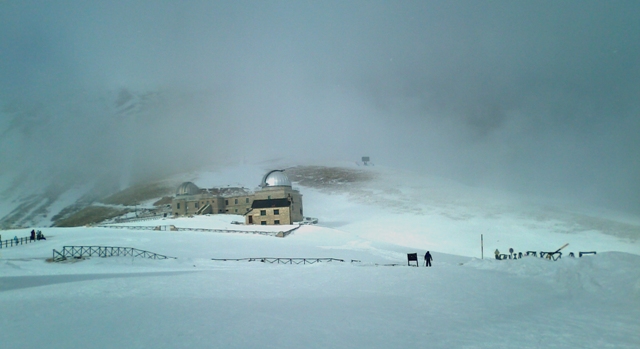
point(374, 301)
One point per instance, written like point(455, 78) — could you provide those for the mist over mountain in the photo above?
point(539, 98)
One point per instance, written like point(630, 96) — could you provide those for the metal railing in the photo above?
point(103, 251)
point(225, 231)
point(16, 242)
point(140, 219)
point(277, 260)
point(547, 255)
point(286, 233)
point(202, 209)
point(551, 255)
point(132, 227)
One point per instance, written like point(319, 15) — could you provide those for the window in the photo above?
point(236, 201)
point(246, 201)
point(276, 222)
point(178, 206)
point(196, 204)
point(263, 212)
point(226, 202)
point(276, 211)
point(236, 210)
point(263, 222)
point(269, 197)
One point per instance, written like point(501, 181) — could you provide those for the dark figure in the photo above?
point(519, 255)
point(40, 235)
point(427, 259)
point(510, 252)
point(497, 253)
point(33, 235)
point(572, 255)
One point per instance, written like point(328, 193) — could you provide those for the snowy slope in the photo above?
point(462, 302)
point(592, 302)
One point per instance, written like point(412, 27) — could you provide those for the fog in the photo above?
point(539, 97)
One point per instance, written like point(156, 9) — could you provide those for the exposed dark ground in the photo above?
point(426, 197)
point(321, 177)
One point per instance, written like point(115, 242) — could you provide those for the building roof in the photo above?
point(271, 203)
point(187, 188)
point(275, 178)
point(229, 192)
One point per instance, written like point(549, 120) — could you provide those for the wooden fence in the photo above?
point(103, 251)
point(16, 242)
point(225, 231)
point(277, 260)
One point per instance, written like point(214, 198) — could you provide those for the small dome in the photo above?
point(275, 178)
point(187, 188)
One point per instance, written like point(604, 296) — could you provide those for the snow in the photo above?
point(461, 302)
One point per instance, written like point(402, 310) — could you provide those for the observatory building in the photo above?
point(274, 202)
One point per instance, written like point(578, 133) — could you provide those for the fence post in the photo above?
point(481, 246)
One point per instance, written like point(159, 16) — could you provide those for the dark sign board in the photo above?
point(412, 257)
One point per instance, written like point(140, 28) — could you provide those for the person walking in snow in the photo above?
point(497, 254)
point(427, 259)
point(33, 235)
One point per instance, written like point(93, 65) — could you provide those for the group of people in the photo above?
point(36, 235)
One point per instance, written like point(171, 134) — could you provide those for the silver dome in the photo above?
point(187, 188)
point(275, 178)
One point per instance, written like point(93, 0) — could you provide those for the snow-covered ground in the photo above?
point(461, 302)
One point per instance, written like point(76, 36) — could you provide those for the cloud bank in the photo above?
point(540, 97)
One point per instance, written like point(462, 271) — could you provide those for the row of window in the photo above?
point(226, 202)
point(274, 222)
point(235, 201)
point(264, 212)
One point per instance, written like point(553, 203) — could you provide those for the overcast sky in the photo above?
point(536, 96)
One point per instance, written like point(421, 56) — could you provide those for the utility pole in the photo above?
point(482, 246)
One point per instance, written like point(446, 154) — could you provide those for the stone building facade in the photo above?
point(274, 203)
